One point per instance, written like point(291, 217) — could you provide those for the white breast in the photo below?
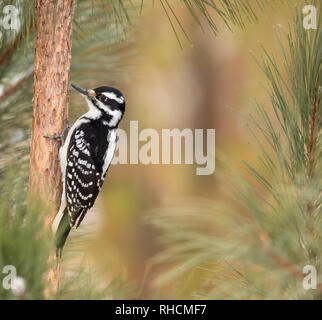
point(109, 154)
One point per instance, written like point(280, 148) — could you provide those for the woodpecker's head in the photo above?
point(106, 101)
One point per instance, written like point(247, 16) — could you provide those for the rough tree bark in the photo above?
point(53, 43)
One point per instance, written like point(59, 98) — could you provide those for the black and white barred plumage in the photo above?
point(86, 156)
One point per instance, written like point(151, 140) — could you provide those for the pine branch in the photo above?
point(281, 262)
point(15, 86)
point(15, 44)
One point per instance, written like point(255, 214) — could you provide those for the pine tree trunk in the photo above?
point(53, 43)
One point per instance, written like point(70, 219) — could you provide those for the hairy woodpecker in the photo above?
point(85, 157)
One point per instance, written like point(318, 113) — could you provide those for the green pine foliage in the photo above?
point(256, 245)
point(24, 242)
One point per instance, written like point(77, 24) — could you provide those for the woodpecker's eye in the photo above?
point(102, 97)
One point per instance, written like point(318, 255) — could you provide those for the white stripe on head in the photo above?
point(113, 96)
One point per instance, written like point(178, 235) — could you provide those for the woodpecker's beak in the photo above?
point(86, 92)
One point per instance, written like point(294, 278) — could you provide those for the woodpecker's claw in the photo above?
point(60, 137)
point(57, 137)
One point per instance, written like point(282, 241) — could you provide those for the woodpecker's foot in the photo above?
point(57, 137)
point(60, 137)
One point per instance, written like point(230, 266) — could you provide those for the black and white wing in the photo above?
point(85, 160)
